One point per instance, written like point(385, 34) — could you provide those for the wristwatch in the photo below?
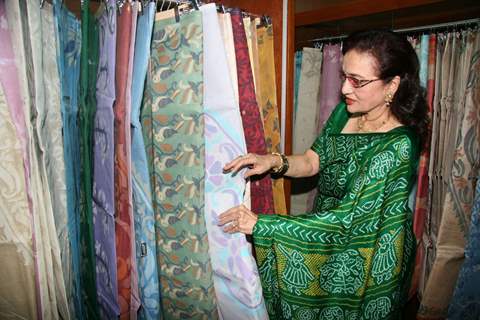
point(280, 170)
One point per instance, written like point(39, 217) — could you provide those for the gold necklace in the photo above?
point(361, 124)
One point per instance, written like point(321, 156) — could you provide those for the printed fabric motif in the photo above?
point(173, 127)
point(261, 188)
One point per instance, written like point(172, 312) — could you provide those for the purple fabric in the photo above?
point(103, 185)
point(330, 83)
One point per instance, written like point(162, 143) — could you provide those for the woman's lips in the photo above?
point(349, 101)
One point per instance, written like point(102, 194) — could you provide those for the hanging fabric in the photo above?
point(103, 158)
point(67, 28)
point(86, 114)
point(457, 168)
point(304, 128)
point(268, 106)
point(19, 283)
point(261, 187)
point(235, 275)
point(127, 276)
point(423, 180)
point(173, 129)
point(146, 249)
point(465, 303)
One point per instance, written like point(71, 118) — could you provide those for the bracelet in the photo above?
point(283, 168)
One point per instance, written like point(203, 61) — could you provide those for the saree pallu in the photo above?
point(144, 219)
point(174, 133)
point(235, 274)
point(103, 174)
point(127, 276)
point(459, 168)
point(17, 279)
point(351, 257)
point(68, 57)
point(261, 187)
point(268, 105)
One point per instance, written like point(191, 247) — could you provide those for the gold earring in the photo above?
point(388, 98)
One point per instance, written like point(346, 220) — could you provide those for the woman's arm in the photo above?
point(304, 165)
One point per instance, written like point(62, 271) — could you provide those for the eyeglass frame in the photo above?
point(363, 82)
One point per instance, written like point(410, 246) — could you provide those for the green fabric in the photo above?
point(351, 257)
point(87, 107)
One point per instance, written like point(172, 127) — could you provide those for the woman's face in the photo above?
point(361, 93)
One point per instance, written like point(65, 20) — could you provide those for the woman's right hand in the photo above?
point(256, 163)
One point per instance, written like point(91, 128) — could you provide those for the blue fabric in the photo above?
point(298, 69)
point(142, 194)
point(424, 60)
point(68, 33)
point(465, 304)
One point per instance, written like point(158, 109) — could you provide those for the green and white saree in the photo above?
point(351, 257)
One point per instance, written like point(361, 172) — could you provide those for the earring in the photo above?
point(388, 98)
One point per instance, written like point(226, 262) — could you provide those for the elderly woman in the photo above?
point(351, 257)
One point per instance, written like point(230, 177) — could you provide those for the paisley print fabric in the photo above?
point(351, 257)
point(268, 105)
point(144, 219)
point(103, 174)
point(174, 133)
point(261, 188)
point(67, 28)
point(235, 275)
point(17, 286)
point(86, 114)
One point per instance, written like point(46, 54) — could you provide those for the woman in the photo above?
point(351, 257)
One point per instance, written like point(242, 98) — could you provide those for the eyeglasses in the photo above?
point(357, 83)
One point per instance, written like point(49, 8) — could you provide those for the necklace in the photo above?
point(361, 121)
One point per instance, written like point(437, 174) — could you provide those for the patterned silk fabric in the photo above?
point(68, 56)
point(261, 188)
point(465, 304)
point(142, 193)
point(17, 278)
point(460, 92)
point(103, 186)
point(236, 279)
point(174, 134)
point(51, 132)
point(124, 225)
point(351, 257)
point(268, 103)
point(86, 113)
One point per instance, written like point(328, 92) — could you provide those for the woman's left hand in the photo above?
point(238, 219)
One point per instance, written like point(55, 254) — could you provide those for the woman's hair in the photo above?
point(395, 57)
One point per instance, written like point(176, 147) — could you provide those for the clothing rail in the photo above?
point(455, 24)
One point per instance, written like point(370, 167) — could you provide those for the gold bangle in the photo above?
point(280, 170)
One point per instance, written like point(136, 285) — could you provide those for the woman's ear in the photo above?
point(392, 86)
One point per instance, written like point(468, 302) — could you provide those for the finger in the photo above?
point(240, 164)
point(230, 228)
point(228, 216)
point(231, 164)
